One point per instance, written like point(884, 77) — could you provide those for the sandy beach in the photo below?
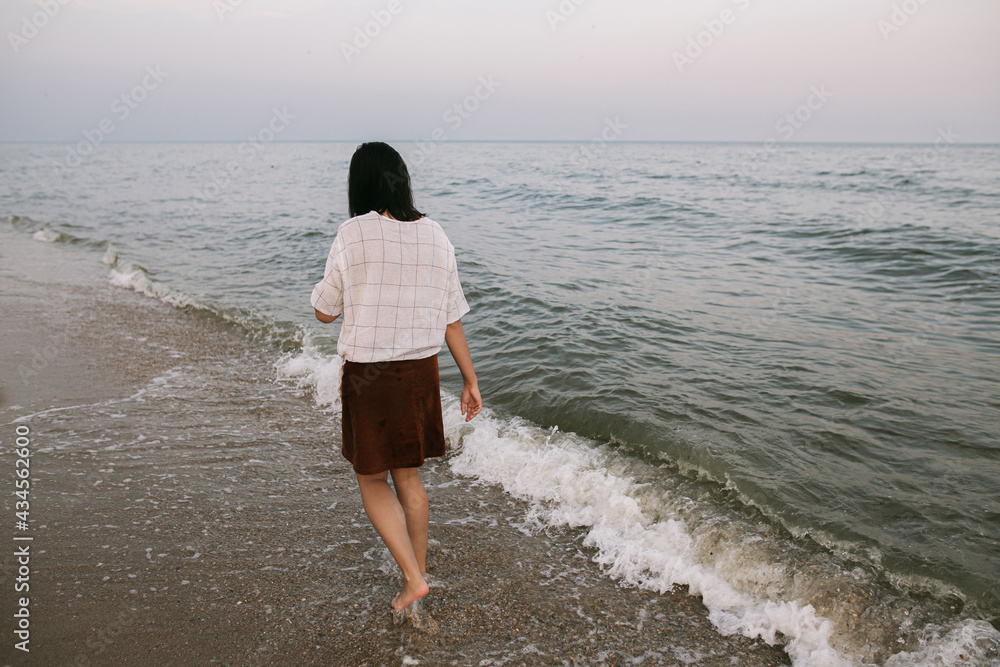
point(188, 509)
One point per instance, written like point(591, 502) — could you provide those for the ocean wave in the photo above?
point(133, 276)
point(967, 643)
point(657, 531)
point(46, 235)
point(639, 540)
point(286, 336)
point(654, 535)
point(312, 371)
point(44, 232)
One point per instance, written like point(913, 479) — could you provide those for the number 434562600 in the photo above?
point(22, 470)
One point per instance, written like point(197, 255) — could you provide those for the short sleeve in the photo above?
point(328, 294)
point(457, 305)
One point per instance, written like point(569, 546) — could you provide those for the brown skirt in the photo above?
point(391, 414)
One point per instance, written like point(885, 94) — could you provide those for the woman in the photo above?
point(392, 272)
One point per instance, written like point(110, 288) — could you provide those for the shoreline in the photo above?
point(187, 509)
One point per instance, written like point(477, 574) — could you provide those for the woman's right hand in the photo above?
point(472, 402)
point(454, 336)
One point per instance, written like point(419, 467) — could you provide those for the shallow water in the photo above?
point(773, 378)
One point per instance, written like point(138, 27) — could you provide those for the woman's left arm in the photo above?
point(324, 318)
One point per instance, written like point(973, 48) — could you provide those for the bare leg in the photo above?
point(413, 498)
point(388, 518)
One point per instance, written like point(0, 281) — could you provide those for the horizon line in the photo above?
point(519, 141)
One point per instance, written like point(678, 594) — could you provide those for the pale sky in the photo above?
point(871, 70)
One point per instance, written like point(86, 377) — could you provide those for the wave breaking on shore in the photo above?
point(656, 532)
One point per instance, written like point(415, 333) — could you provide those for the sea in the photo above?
point(767, 372)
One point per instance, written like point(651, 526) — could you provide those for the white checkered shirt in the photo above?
point(396, 284)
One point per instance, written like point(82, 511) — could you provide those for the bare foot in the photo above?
point(411, 591)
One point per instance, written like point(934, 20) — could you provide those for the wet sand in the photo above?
point(188, 509)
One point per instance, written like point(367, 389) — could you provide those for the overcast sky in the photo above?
point(684, 70)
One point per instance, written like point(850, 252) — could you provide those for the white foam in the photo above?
point(135, 278)
point(970, 643)
point(646, 537)
point(110, 256)
point(570, 483)
point(46, 235)
point(311, 370)
point(650, 537)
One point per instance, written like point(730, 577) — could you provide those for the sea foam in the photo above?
point(46, 235)
point(310, 370)
point(573, 483)
point(134, 277)
point(654, 536)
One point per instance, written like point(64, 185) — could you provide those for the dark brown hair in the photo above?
point(379, 181)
